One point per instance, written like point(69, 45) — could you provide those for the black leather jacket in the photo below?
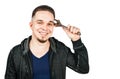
point(19, 65)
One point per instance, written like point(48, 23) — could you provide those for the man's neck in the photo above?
point(38, 48)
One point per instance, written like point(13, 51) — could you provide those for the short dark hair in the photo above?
point(43, 8)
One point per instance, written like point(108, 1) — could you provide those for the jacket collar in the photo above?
point(26, 41)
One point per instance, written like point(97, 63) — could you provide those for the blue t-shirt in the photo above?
point(40, 67)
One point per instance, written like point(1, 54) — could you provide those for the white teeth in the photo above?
point(43, 33)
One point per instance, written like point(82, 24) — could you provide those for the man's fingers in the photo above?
point(73, 29)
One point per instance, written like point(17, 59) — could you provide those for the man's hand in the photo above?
point(72, 32)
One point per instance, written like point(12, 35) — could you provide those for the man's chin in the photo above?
point(42, 40)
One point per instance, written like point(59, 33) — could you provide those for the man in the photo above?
point(41, 56)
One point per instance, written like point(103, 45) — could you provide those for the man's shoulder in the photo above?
point(22, 46)
point(56, 41)
point(16, 49)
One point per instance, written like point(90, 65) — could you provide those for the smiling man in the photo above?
point(41, 56)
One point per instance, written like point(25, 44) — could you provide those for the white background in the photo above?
point(99, 21)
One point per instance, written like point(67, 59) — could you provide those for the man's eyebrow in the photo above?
point(51, 21)
point(39, 20)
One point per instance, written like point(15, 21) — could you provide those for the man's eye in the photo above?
point(39, 22)
point(50, 24)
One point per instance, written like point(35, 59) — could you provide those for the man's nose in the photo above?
point(44, 26)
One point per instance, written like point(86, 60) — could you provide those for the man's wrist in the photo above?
point(75, 39)
point(77, 43)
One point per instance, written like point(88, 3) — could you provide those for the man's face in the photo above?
point(42, 25)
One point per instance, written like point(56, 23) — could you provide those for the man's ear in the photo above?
point(30, 24)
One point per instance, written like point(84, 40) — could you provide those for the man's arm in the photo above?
point(77, 61)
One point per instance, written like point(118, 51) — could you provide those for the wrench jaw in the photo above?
point(59, 24)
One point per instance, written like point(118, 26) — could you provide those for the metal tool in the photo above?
point(59, 24)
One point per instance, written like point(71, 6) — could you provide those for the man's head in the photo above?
point(42, 23)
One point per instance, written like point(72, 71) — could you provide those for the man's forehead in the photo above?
point(43, 18)
point(44, 13)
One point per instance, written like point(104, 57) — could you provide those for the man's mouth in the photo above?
point(43, 33)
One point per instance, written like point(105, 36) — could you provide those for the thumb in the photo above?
point(66, 28)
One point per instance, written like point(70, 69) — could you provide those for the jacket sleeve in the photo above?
point(10, 69)
point(78, 61)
